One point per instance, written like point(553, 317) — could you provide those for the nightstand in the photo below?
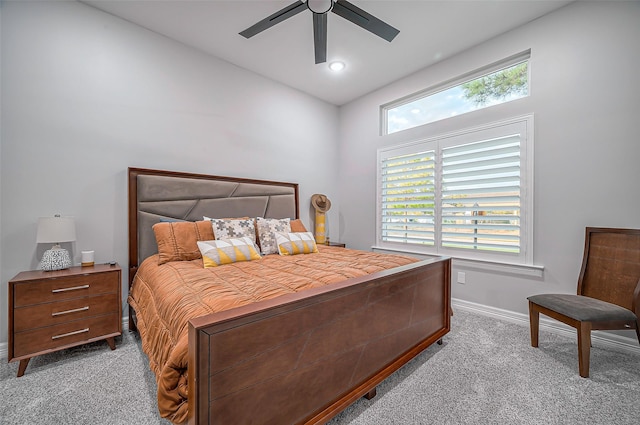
point(54, 310)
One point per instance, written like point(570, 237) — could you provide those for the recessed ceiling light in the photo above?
point(337, 66)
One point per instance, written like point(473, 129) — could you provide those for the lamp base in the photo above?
point(55, 259)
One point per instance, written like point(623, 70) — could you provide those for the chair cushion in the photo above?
point(585, 309)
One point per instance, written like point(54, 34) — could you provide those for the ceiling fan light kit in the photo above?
point(320, 9)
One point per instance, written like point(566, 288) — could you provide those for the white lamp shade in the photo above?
point(56, 229)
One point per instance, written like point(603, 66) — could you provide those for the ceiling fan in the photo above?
point(320, 9)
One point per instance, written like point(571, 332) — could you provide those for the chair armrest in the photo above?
point(635, 303)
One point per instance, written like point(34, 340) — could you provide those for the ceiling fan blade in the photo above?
point(271, 20)
point(320, 36)
point(365, 20)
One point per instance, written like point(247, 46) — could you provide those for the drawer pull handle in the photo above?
point(70, 333)
point(75, 310)
point(73, 288)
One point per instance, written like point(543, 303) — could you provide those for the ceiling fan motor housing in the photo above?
point(320, 6)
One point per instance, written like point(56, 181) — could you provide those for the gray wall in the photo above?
point(3, 336)
point(86, 95)
point(585, 95)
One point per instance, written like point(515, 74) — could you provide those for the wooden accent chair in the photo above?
point(608, 291)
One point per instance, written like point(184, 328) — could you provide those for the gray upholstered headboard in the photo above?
point(156, 195)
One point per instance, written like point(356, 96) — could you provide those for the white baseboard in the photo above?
point(604, 339)
point(4, 346)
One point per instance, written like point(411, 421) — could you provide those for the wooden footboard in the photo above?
point(304, 357)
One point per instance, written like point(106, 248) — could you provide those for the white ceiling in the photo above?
point(430, 31)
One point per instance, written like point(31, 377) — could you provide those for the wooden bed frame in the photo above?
point(303, 358)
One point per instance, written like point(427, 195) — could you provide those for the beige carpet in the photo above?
point(485, 373)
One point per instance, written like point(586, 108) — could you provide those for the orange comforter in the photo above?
point(166, 296)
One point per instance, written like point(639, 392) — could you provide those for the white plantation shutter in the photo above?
point(466, 194)
point(481, 195)
point(408, 189)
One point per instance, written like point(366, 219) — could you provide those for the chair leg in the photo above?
point(584, 348)
point(638, 330)
point(534, 324)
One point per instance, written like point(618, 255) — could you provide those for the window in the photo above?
point(495, 84)
point(467, 194)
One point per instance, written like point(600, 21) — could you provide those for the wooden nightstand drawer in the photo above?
point(37, 316)
point(71, 333)
point(65, 288)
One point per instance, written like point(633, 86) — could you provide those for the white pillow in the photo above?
point(227, 251)
point(226, 228)
point(296, 243)
point(266, 232)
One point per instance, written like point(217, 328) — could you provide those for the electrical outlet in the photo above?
point(462, 277)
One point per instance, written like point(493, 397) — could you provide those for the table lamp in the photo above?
point(55, 230)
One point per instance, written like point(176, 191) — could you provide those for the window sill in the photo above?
point(528, 270)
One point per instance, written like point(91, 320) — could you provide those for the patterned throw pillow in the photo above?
point(227, 251)
point(266, 236)
point(233, 228)
point(296, 243)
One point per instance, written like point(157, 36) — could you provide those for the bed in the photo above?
point(296, 352)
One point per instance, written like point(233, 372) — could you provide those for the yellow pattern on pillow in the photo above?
point(295, 243)
point(227, 251)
